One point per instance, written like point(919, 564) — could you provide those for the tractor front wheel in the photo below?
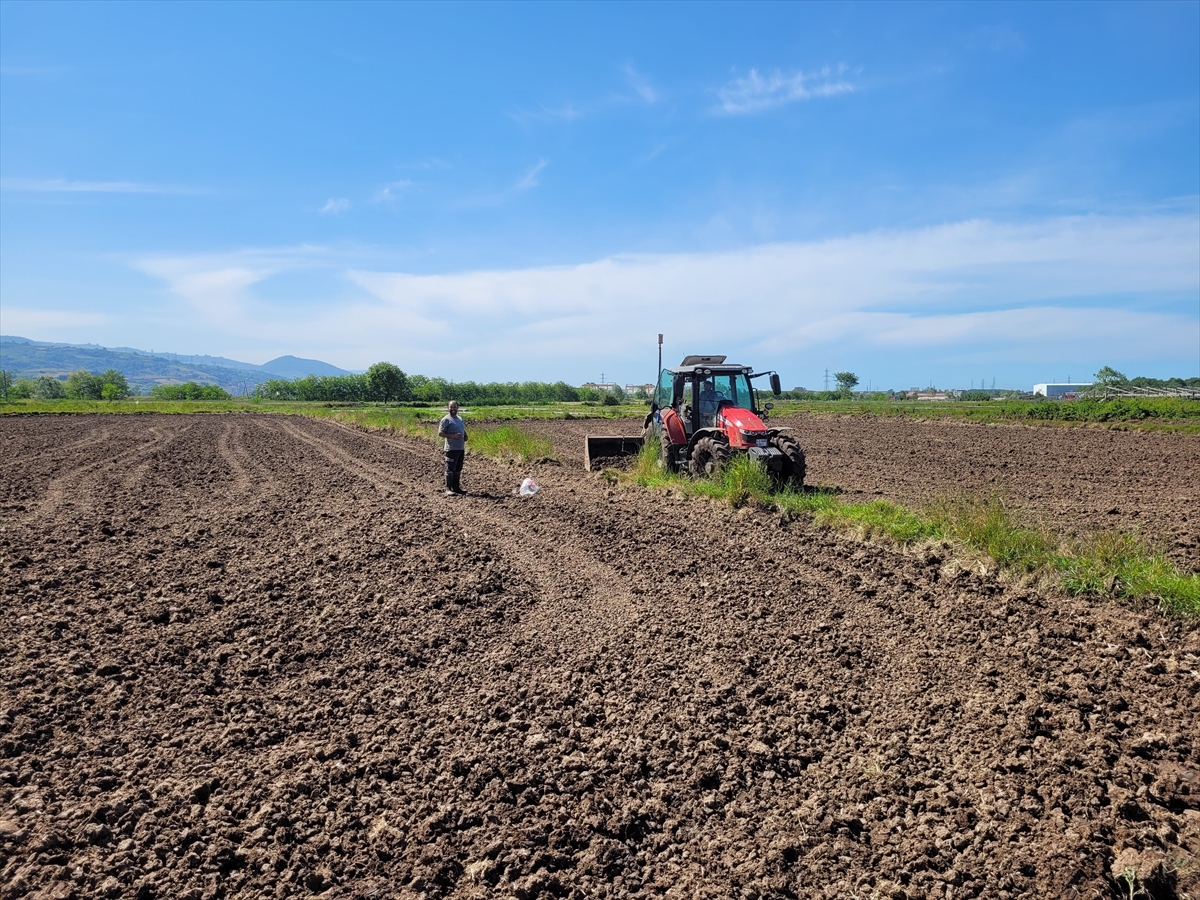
point(709, 457)
point(793, 460)
point(667, 452)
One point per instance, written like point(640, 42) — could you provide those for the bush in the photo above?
point(47, 388)
point(189, 391)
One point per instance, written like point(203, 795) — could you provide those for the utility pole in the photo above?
point(658, 374)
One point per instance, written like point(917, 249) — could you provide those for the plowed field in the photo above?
point(264, 656)
point(1073, 479)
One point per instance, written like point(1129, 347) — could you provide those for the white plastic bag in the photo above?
point(528, 488)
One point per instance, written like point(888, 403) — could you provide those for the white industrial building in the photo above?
point(1058, 391)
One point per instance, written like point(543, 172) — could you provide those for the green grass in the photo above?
point(1151, 413)
point(509, 442)
point(376, 412)
point(1109, 564)
point(502, 442)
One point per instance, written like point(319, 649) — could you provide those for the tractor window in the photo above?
point(666, 387)
point(733, 388)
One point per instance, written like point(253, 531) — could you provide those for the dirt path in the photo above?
point(257, 655)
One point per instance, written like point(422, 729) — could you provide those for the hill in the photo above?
point(26, 358)
point(296, 367)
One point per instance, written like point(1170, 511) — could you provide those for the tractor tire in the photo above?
point(709, 457)
point(793, 460)
point(666, 452)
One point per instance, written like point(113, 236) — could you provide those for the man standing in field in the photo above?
point(453, 431)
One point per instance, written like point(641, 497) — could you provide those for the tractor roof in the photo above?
point(716, 363)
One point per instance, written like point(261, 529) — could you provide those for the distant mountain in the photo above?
point(26, 358)
point(295, 367)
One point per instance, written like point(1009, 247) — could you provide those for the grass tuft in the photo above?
point(1121, 564)
point(510, 442)
point(989, 526)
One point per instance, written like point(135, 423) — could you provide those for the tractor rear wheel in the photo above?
point(793, 460)
point(709, 457)
point(667, 453)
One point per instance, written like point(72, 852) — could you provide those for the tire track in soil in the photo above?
point(59, 487)
point(491, 524)
point(380, 704)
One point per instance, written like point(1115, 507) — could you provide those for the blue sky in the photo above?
point(917, 193)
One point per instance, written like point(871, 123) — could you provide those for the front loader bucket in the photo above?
point(603, 447)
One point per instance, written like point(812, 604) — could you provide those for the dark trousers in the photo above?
point(454, 464)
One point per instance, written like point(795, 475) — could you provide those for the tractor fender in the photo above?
point(775, 431)
point(674, 426)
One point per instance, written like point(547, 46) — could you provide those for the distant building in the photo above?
point(917, 394)
point(605, 387)
point(632, 389)
point(1059, 391)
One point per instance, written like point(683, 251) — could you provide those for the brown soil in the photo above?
point(254, 656)
point(1074, 479)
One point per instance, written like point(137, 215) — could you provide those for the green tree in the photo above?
point(113, 385)
point(388, 383)
point(846, 382)
point(22, 390)
point(83, 385)
point(1109, 377)
point(6, 382)
point(47, 388)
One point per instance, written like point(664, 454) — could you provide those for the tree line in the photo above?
point(387, 383)
point(81, 385)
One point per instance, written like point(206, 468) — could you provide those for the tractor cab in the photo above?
point(703, 391)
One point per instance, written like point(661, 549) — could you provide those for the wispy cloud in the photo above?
point(335, 207)
point(530, 178)
point(641, 86)
point(526, 182)
point(565, 113)
point(63, 185)
point(393, 190)
point(217, 285)
point(754, 93)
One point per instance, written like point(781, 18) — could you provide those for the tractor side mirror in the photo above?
point(775, 384)
point(677, 392)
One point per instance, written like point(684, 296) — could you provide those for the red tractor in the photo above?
point(705, 410)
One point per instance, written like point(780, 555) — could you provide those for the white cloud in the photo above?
point(753, 93)
point(530, 178)
point(968, 286)
point(527, 181)
point(334, 207)
point(641, 86)
point(565, 113)
point(62, 185)
point(1065, 288)
point(392, 191)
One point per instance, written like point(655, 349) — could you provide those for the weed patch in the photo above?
point(510, 442)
